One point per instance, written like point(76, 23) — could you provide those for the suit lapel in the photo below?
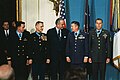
point(55, 31)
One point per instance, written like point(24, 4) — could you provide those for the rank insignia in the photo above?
point(34, 38)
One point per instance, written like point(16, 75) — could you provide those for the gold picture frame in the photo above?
point(19, 10)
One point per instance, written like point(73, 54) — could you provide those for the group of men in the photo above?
point(58, 48)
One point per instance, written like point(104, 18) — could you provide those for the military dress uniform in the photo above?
point(38, 55)
point(99, 51)
point(20, 53)
point(77, 48)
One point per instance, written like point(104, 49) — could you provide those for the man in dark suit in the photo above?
point(6, 34)
point(38, 49)
point(57, 37)
point(20, 51)
point(99, 46)
point(77, 46)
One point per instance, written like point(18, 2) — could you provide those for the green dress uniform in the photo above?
point(99, 51)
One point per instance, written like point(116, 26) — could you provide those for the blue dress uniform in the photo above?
point(77, 48)
point(20, 53)
point(99, 51)
point(38, 55)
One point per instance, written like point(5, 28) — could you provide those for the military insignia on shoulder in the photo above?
point(105, 36)
point(81, 37)
point(34, 38)
point(25, 39)
point(92, 36)
point(43, 37)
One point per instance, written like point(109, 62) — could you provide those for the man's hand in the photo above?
point(68, 59)
point(107, 60)
point(90, 60)
point(48, 61)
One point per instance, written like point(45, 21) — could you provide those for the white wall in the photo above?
point(34, 10)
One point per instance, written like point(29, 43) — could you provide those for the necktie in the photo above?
point(20, 36)
point(6, 33)
point(98, 33)
point(59, 34)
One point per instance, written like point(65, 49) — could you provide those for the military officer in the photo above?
point(38, 49)
point(77, 46)
point(99, 46)
point(20, 51)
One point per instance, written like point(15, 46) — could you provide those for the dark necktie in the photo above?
point(98, 33)
point(20, 36)
point(59, 34)
point(6, 33)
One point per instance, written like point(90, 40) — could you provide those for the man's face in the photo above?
point(6, 25)
point(60, 24)
point(99, 24)
point(74, 27)
point(39, 27)
point(13, 24)
point(22, 28)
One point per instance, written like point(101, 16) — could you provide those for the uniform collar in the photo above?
point(38, 34)
point(98, 30)
point(78, 32)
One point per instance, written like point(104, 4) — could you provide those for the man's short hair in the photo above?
point(18, 23)
point(76, 74)
point(5, 21)
point(58, 20)
point(98, 19)
point(38, 22)
point(76, 23)
point(6, 72)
